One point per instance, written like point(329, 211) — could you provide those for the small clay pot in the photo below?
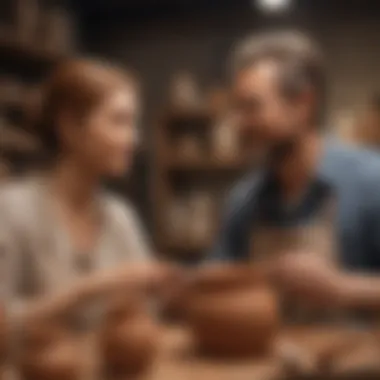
point(129, 338)
point(49, 353)
point(232, 312)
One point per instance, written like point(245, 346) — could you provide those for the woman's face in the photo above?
point(106, 141)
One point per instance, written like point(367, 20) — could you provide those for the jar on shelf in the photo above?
point(58, 30)
point(201, 211)
point(225, 142)
point(189, 147)
point(184, 92)
point(217, 100)
point(178, 218)
point(27, 21)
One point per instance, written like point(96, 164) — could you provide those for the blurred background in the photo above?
point(189, 154)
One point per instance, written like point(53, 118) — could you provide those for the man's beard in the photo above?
point(269, 153)
point(280, 150)
point(275, 153)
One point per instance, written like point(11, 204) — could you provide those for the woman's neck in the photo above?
point(73, 184)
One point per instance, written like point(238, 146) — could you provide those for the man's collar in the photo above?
point(327, 168)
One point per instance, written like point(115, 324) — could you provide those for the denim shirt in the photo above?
point(354, 176)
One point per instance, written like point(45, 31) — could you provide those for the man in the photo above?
point(279, 89)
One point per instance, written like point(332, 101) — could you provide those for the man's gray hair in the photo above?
point(300, 61)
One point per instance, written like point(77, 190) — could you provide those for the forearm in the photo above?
point(360, 292)
point(55, 305)
point(90, 289)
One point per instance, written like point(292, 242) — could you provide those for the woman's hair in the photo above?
point(75, 87)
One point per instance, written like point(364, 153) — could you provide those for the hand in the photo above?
point(149, 275)
point(310, 279)
point(131, 276)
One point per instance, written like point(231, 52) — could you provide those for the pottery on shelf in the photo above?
point(184, 91)
point(189, 148)
point(225, 139)
point(178, 220)
point(232, 312)
point(201, 215)
point(49, 353)
point(218, 101)
point(58, 35)
point(129, 338)
point(27, 20)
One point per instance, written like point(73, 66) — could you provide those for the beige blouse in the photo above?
point(36, 255)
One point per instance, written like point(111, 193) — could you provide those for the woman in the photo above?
point(65, 243)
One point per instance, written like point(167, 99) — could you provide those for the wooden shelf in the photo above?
point(177, 163)
point(17, 141)
point(193, 115)
point(16, 51)
point(177, 176)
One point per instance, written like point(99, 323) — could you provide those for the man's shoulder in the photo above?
point(358, 170)
point(357, 164)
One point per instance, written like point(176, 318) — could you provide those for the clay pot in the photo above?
point(129, 339)
point(232, 312)
point(49, 353)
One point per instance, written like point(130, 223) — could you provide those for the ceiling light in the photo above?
point(273, 5)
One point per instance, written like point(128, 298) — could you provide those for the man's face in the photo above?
point(267, 120)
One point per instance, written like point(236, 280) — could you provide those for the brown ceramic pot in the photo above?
point(232, 312)
point(129, 338)
point(49, 353)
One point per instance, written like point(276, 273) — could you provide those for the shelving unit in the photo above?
point(12, 50)
point(181, 173)
point(24, 60)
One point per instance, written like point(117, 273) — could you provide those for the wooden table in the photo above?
point(178, 361)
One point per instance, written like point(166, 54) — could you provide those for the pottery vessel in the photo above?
point(232, 312)
point(49, 353)
point(129, 338)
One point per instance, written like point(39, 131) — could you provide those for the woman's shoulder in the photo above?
point(126, 226)
point(120, 209)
